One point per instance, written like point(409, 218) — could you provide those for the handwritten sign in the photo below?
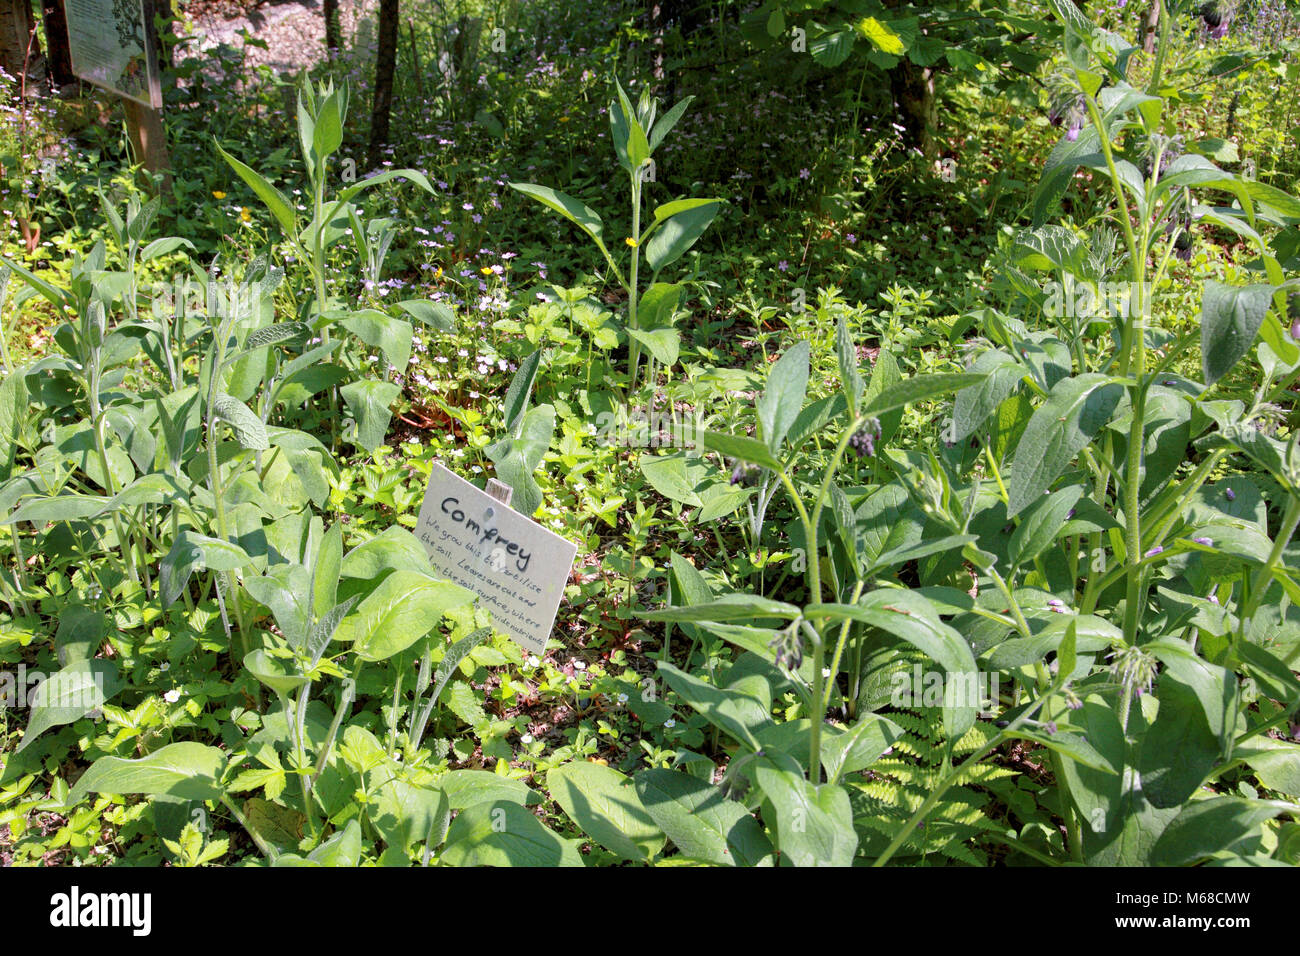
point(516, 567)
point(111, 43)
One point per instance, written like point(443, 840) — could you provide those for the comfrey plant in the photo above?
point(636, 133)
point(1098, 528)
point(152, 469)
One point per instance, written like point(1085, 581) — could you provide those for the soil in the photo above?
point(293, 30)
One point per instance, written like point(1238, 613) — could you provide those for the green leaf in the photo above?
point(1042, 524)
point(813, 824)
point(404, 814)
point(521, 387)
point(1230, 320)
point(910, 617)
point(192, 552)
point(370, 402)
point(404, 608)
point(40, 511)
point(847, 355)
point(663, 344)
point(783, 398)
point(69, 694)
point(975, 403)
point(502, 833)
point(391, 336)
point(516, 459)
point(435, 315)
point(250, 431)
point(605, 806)
point(740, 715)
point(700, 821)
point(668, 475)
point(672, 240)
point(275, 672)
point(1205, 827)
point(464, 788)
point(188, 771)
point(740, 447)
point(161, 247)
point(919, 388)
point(881, 36)
point(274, 200)
point(661, 129)
point(566, 206)
point(726, 608)
point(1075, 410)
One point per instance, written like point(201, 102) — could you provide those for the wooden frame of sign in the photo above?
point(113, 44)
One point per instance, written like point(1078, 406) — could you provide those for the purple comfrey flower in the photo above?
point(1154, 551)
point(1229, 494)
point(1208, 542)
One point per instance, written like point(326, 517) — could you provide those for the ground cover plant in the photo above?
point(917, 384)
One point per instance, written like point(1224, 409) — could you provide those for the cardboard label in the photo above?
point(111, 43)
point(516, 567)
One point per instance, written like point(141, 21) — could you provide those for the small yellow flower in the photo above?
point(244, 214)
point(600, 760)
point(631, 242)
point(486, 271)
point(564, 119)
point(218, 194)
point(438, 274)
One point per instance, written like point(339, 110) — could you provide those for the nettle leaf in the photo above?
point(189, 771)
point(1076, 409)
point(700, 821)
point(605, 805)
point(250, 431)
point(1230, 320)
point(70, 694)
point(370, 403)
point(783, 398)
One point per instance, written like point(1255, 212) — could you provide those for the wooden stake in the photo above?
point(500, 491)
point(144, 126)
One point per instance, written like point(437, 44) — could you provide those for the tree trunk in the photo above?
point(56, 43)
point(385, 65)
point(1152, 28)
point(333, 38)
point(20, 47)
point(913, 89)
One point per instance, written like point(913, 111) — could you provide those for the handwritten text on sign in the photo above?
point(516, 567)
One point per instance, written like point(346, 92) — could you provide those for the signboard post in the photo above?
point(112, 44)
point(517, 568)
